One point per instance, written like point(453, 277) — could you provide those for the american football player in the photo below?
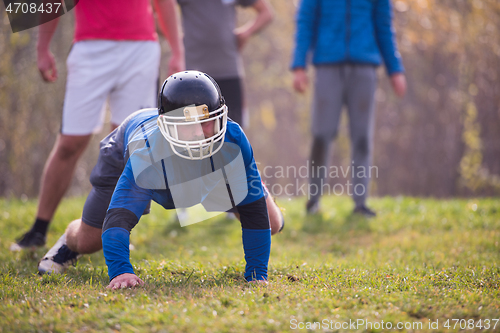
point(185, 154)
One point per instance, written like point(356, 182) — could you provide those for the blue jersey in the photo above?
point(150, 181)
point(227, 180)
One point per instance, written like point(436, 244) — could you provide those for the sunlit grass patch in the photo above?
point(419, 260)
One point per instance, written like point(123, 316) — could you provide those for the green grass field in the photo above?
point(421, 264)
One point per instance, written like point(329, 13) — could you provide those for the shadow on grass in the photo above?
point(193, 282)
point(321, 223)
point(212, 227)
point(357, 223)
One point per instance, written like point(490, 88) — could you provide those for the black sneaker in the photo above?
point(58, 258)
point(365, 211)
point(312, 207)
point(29, 240)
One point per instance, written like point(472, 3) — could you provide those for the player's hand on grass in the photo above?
point(126, 280)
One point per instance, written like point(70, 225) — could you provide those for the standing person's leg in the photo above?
point(56, 177)
point(88, 84)
point(361, 83)
point(327, 107)
point(83, 236)
point(58, 172)
point(319, 161)
point(232, 90)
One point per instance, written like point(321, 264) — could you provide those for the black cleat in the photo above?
point(29, 240)
point(312, 207)
point(365, 211)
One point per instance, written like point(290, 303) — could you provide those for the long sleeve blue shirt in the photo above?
point(346, 31)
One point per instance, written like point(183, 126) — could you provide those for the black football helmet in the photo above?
point(191, 98)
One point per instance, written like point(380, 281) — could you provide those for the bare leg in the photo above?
point(58, 172)
point(56, 178)
point(83, 238)
point(274, 213)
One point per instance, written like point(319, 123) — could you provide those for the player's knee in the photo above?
point(71, 230)
point(275, 221)
point(88, 244)
point(82, 238)
point(274, 230)
point(275, 216)
point(91, 248)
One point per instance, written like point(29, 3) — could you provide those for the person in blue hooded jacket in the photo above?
point(186, 154)
point(348, 40)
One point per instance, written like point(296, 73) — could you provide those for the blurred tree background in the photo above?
point(442, 139)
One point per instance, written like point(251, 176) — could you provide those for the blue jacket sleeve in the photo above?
point(304, 36)
point(386, 37)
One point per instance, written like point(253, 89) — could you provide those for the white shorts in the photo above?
point(123, 72)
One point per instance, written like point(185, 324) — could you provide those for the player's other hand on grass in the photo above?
point(125, 280)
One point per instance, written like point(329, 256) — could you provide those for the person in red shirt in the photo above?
point(115, 58)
